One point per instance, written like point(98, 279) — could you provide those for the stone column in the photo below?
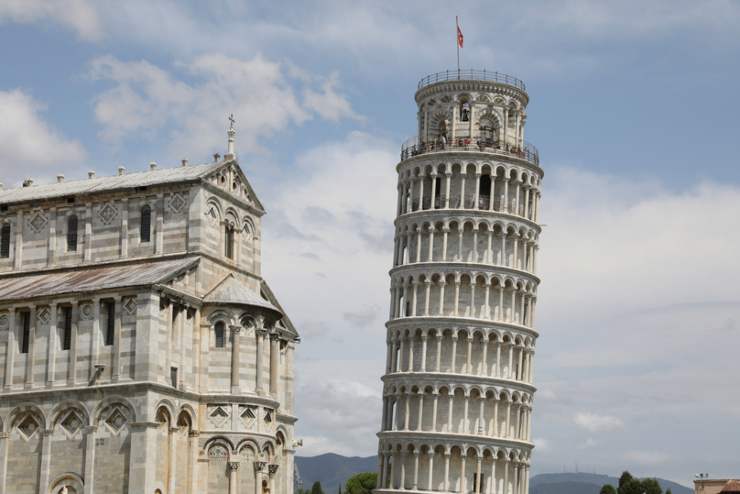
point(434, 410)
point(159, 228)
point(87, 253)
point(124, 227)
point(45, 458)
point(95, 338)
point(18, 247)
point(4, 443)
point(52, 245)
point(10, 349)
point(193, 470)
point(143, 455)
point(235, 350)
point(51, 345)
point(447, 471)
point(233, 467)
point(423, 352)
point(72, 363)
point(259, 335)
point(415, 485)
point(172, 467)
point(118, 316)
point(438, 336)
point(89, 473)
point(448, 179)
point(30, 356)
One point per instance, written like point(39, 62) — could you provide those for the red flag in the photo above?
point(460, 38)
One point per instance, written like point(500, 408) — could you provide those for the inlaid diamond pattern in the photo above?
point(129, 305)
point(108, 213)
point(43, 315)
point(71, 423)
point(177, 202)
point(37, 222)
point(116, 420)
point(28, 426)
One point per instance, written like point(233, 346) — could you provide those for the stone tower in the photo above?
point(458, 390)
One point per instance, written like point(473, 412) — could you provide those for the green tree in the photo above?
point(361, 483)
point(316, 488)
point(651, 486)
point(623, 480)
point(608, 489)
point(668, 492)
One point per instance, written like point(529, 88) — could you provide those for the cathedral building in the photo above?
point(458, 383)
point(141, 351)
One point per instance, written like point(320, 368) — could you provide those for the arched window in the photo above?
point(145, 224)
point(220, 330)
point(72, 233)
point(464, 110)
point(5, 240)
point(229, 241)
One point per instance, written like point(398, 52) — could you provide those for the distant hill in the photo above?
point(585, 483)
point(334, 470)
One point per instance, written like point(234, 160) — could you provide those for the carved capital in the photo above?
point(233, 466)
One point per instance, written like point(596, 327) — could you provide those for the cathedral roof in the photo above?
point(93, 279)
point(232, 291)
point(107, 184)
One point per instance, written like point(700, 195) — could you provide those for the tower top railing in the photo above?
point(471, 75)
point(413, 147)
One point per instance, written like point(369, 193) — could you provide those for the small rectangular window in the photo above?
point(145, 224)
point(25, 331)
point(66, 338)
point(5, 240)
point(173, 376)
point(72, 233)
point(110, 322)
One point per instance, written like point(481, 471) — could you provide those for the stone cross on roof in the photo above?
point(230, 154)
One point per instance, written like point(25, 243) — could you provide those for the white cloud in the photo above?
point(79, 15)
point(29, 146)
point(647, 458)
point(598, 423)
point(327, 102)
point(146, 99)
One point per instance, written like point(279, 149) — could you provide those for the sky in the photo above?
point(633, 107)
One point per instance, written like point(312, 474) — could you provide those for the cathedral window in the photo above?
point(220, 330)
point(145, 224)
point(5, 240)
point(66, 336)
point(72, 233)
point(110, 320)
point(25, 331)
point(229, 241)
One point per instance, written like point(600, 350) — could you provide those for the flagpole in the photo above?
point(457, 44)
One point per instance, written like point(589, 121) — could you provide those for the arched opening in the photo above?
point(145, 224)
point(72, 233)
point(484, 197)
point(229, 240)
point(220, 333)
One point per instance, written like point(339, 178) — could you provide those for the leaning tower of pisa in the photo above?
point(457, 397)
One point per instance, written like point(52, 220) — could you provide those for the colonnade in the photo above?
point(431, 350)
point(458, 411)
point(504, 190)
point(466, 241)
point(469, 295)
point(445, 469)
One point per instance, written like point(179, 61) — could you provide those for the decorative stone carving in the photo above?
point(259, 466)
point(233, 466)
point(37, 221)
point(176, 202)
point(219, 415)
point(116, 420)
point(3, 321)
point(28, 426)
point(71, 423)
point(43, 315)
point(218, 451)
point(86, 311)
point(129, 305)
point(273, 468)
point(108, 213)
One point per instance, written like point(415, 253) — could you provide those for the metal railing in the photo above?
point(471, 75)
point(412, 147)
